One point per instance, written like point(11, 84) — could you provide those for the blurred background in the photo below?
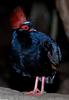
point(48, 16)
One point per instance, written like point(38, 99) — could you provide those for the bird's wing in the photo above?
point(54, 54)
point(52, 49)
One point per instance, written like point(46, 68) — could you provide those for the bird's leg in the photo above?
point(36, 90)
point(36, 85)
point(42, 84)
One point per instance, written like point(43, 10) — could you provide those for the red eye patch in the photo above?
point(25, 27)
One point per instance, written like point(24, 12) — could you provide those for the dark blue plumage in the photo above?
point(33, 52)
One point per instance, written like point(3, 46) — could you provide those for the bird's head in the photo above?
point(23, 33)
point(26, 26)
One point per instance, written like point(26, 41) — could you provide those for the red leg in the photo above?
point(42, 85)
point(36, 91)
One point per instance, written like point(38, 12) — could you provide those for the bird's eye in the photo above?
point(25, 27)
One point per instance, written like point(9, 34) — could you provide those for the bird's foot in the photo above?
point(36, 92)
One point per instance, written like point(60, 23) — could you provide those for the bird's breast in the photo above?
point(32, 54)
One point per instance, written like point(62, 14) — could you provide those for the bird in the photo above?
point(33, 54)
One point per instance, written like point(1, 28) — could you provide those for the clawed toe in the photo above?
point(36, 92)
